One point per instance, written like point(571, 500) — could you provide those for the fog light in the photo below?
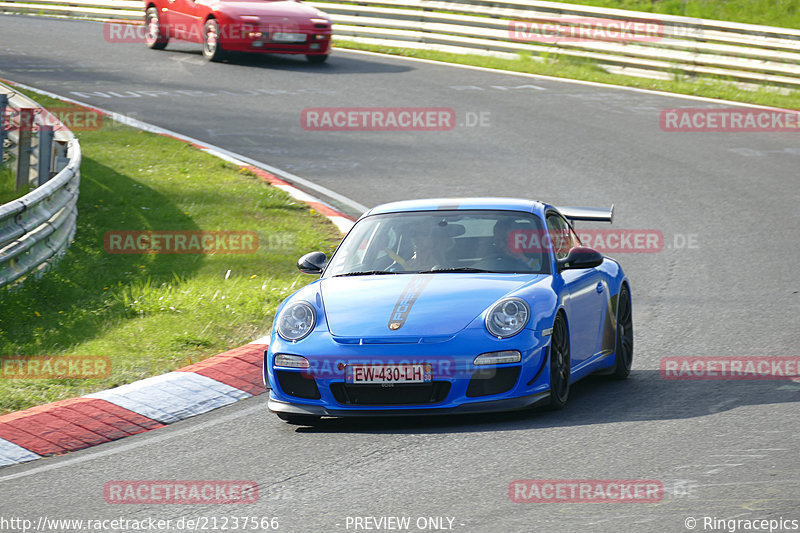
point(258, 44)
point(314, 46)
point(255, 35)
point(498, 358)
point(291, 361)
point(319, 37)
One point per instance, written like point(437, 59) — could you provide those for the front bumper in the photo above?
point(317, 42)
point(315, 48)
point(490, 406)
point(457, 386)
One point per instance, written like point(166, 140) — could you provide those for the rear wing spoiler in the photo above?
point(591, 214)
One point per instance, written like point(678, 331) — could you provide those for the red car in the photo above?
point(274, 27)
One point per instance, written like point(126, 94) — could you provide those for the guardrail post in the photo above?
point(61, 159)
point(3, 105)
point(24, 147)
point(45, 154)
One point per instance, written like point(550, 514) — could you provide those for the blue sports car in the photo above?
point(450, 306)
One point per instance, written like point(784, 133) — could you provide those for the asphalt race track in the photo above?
point(723, 449)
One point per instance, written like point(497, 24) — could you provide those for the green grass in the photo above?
point(783, 13)
point(156, 312)
point(8, 184)
point(588, 70)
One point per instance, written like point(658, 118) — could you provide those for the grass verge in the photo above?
point(588, 70)
point(152, 313)
point(8, 184)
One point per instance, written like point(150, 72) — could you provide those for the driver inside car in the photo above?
point(428, 245)
point(506, 258)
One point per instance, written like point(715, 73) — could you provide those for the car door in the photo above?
point(183, 20)
point(586, 294)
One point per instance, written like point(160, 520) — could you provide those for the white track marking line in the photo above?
point(218, 150)
point(568, 80)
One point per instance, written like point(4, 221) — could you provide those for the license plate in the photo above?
point(280, 37)
point(408, 373)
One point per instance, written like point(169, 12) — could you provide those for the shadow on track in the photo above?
point(594, 400)
point(336, 64)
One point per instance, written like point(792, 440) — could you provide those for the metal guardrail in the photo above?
point(745, 53)
point(692, 47)
point(39, 226)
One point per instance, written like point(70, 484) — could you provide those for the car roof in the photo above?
point(450, 204)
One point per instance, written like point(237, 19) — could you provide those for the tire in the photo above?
point(623, 358)
point(317, 58)
point(298, 420)
point(154, 37)
point(212, 48)
point(559, 364)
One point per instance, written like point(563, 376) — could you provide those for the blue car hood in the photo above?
point(412, 306)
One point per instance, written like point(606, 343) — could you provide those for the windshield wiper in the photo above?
point(456, 269)
point(366, 273)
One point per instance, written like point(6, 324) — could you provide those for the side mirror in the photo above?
point(580, 257)
point(312, 263)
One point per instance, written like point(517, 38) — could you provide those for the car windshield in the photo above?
point(442, 241)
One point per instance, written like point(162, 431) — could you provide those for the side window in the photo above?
point(561, 235)
point(575, 241)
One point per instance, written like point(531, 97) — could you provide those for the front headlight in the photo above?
point(291, 361)
point(296, 321)
point(498, 358)
point(507, 317)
